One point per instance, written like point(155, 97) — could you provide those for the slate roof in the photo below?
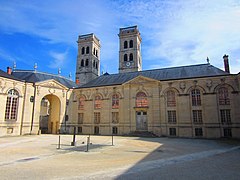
point(33, 77)
point(6, 75)
point(174, 73)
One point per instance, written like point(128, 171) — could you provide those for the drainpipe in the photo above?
point(23, 109)
point(65, 123)
point(34, 100)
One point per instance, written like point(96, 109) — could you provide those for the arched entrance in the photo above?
point(49, 115)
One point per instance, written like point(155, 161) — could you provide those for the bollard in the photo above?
point(88, 139)
point(59, 142)
point(74, 137)
point(112, 140)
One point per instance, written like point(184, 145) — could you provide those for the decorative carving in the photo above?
point(88, 93)
point(105, 92)
point(222, 80)
point(170, 84)
point(2, 84)
point(182, 86)
point(38, 90)
point(195, 83)
point(63, 93)
point(209, 84)
point(51, 91)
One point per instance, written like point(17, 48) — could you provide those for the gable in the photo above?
point(51, 83)
point(141, 80)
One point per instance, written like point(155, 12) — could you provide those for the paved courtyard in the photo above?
point(38, 157)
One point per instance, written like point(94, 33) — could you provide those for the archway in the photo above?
point(49, 115)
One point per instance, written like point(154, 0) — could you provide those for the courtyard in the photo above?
point(41, 157)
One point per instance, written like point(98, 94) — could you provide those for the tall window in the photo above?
point(125, 57)
point(171, 101)
point(223, 96)
point(98, 102)
point(141, 100)
point(96, 117)
point(87, 50)
point(94, 64)
point(172, 116)
point(115, 117)
point(115, 101)
point(83, 50)
point(172, 131)
point(125, 44)
point(81, 102)
point(87, 62)
point(80, 118)
point(82, 63)
point(225, 116)
point(114, 130)
point(131, 43)
point(131, 57)
point(97, 53)
point(11, 105)
point(94, 51)
point(196, 97)
point(198, 132)
point(197, 116)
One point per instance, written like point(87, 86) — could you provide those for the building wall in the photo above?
point(157, 110)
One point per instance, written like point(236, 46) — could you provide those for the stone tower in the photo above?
point(130, 58)
point(88, 59)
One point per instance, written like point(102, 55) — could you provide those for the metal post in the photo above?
point(74, 137)
point(88, 139)
point(59, 142)
point(112, 139)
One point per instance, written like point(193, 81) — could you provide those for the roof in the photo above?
point(174, 73)
point(9, 76)
point(33, 77)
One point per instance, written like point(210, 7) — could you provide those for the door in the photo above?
point(141, 121)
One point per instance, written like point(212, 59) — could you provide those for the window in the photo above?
point(97, 53)
point(131, 57)
point(114, 130)
point(223, 96)
point(198, 132)
point(87, 62)
point(171, 101)
point(197, 116)
point(196, 97)
point(96, 117)
point(81, 102)
point(125, 44)
point(80, 118)
point(87, 50)
point(115, 101)
point(115, 117)
point(141, 100)
point(172, 131)
point(94, 51)
point(131, 43)
point(94, 64)
point(96, 130)
point(83, 50)
point(225, 116)
point(98, 102)
point(11, 105)
point(125, 57)
point(82, 63)
point(80, 130)
point(227, 132)
point(172, 117)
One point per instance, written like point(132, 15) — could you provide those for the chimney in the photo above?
point(77, 81)
point(226, 63)
point(9, 70)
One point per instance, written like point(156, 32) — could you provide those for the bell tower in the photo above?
point(88, 58)
point(130, 58)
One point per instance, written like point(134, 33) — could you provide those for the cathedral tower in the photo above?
point(130, 58)
point(88, 59)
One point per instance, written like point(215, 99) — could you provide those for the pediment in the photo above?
point(142, 80)
point(51, 83)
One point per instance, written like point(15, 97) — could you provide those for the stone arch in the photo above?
point(202, 90)
point(170, 88)
point(222, 85)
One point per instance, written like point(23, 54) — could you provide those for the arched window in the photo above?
point(96, 53)
point(141, 100)
point(223, 96)
point(11, 105)
point(171, 100)
point(98, 102)
point(131, 57)
point(82, 63)
point(83, 50)
point(87, 62)
point(125, 44)
point(115, 101)
point(131, 44)
point(196, 97)
point(87, 50)
point(125, 57)
point(94, 64)
point(81, 101)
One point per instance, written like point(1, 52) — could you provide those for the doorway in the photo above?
point(141, 121)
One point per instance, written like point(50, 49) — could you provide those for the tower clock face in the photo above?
point(128, 64)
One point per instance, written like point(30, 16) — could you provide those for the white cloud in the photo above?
point(58, 59)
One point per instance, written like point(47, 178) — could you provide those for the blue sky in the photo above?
point(174, 32)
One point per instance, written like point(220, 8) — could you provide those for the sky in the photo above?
point(174, 32)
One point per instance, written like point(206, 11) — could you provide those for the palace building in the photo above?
point(196, 101)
